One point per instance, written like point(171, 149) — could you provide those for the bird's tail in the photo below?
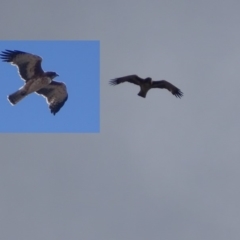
point(17, 96)
point(142, 93)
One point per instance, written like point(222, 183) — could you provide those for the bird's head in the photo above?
point(52, 75)
point(148, 79)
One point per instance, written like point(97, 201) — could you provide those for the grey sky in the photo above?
point(162, 168)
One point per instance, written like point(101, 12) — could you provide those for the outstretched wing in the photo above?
point(167, 85)
point(131, 79)
point(28, 64)
point(56, 95)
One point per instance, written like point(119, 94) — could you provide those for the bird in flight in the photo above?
point(36, 80)
point(147, 84)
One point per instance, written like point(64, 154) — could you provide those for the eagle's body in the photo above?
point(145, 87)
point(36, 80)
point(147, 84)
point(31, 86)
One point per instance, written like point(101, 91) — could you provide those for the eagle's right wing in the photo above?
point(56, 95)
point(28, 64)
point(167, 85)
point(131, 79)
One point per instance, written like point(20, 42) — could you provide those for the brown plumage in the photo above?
point(36, 80)
point(146, 84)
point(55, 94)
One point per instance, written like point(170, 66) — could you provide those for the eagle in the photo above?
point(146, 84)
point(36, 80)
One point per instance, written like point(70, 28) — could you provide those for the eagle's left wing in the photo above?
point(56, 95)
point(167, 85)
point(28, 64)
point(130, 78)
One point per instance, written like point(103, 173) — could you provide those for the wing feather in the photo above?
point(131, 79)
point(167, 85)
point(56, 95)
point(28, 64)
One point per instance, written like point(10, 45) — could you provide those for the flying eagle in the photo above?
point(146, 84)
point(36, 80)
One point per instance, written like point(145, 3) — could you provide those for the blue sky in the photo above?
point(78, 66)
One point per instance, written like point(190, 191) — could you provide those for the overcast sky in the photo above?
point(77, 64)
point(161, 167)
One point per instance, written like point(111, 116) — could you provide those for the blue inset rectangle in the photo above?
point(78, 65)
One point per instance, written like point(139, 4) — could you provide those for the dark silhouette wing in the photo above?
point(167, 85)
point(56, 95)
point(28, 64)
point(131, 79)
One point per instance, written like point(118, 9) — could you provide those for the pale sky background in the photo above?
point(77, 64)
point(162, 167)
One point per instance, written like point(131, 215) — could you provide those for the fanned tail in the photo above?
point(142, 93)
point(17, 96)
